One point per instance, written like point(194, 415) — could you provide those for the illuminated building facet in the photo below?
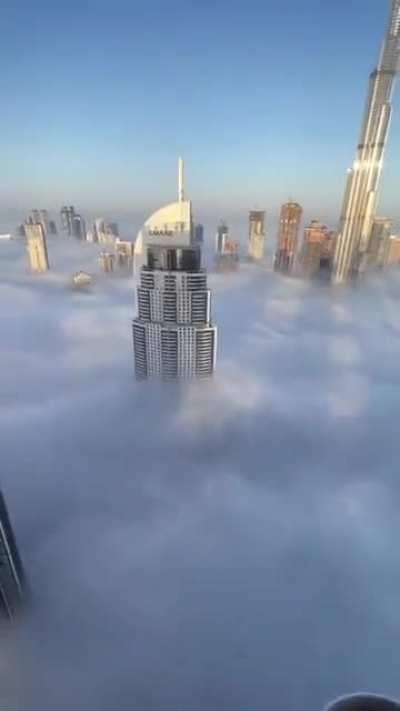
point(317, 251)
point(379, 242)
point(289, 225)
point(393, 253)
point(36, 247)
point(256, 235)
point(361, 194)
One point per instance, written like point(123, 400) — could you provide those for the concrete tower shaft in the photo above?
point(361, 194)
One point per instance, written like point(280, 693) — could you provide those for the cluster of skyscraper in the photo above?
point(315, 257)
point(364, 240)
point(173, 333)
point(116, 252)
point(73, 223)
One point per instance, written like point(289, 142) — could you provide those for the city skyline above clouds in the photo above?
point(226, 542)
point(264, 102)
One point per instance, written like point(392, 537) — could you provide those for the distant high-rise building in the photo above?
point(73, 223)
point(172, 334)
point(379, 242)
point(226, 250)
point(228, 260)
point(256, 235)
point(105, 232)
point(67, 215)
point(317, 252)
point(289, 225)
point(12, 578)
point(44, 217)
point(393, 253)
point(328, 248)
point(37, 247)
point(78, 227)
point(124, 252)
point(90, 236)
point(361, 194)
point(199, 234)
point(36, 219)
point(97, 230)
point(113, 229)
point(221, 237)
point(106, 262)
point(40, 217)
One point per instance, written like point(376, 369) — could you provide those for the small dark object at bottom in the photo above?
point(364, 703)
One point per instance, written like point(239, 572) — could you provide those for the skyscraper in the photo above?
point(317, 250)
point(79, 227)
point(226, 250)
point(12, 578)
point(361, 194)
point(172, 334)
point(393, 255)
point(124, 253)
point(379, 242)
point(328, 248)
point(221, 237)
point(256, 235)
point(289, 225)
point(106, 262)
point(52, 227)
point(104, 232)
point(37, 247)
point(199, 234)
point(73, 223)
point(67, 217)
point(40, 217)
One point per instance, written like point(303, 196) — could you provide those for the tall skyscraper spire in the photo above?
point(173, 335)
point(361, 194)
point(181, 179)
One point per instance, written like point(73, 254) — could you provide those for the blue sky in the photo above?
point(264, 100)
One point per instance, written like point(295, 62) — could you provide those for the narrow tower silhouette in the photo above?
point(361, 194)
point(12, 577)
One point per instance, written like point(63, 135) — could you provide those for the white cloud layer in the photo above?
point(226, 546)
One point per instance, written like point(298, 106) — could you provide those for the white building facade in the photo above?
point(173, 335)
point(257, 235)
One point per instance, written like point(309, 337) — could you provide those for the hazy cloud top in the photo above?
point(231, 545)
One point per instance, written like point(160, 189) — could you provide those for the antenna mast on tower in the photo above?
point(181, 178)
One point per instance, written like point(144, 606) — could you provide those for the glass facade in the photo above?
point(12, 579)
